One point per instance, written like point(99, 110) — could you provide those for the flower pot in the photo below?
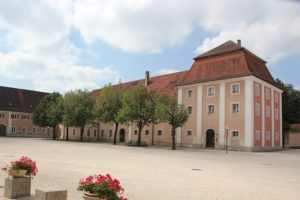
point(17, 173)
point(90, 196)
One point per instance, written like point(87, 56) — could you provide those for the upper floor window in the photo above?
point(211, 109)
point(190, 110)
point(1, 115)
point(211, 91)
point(190, 93)
point(189, 133)
point(268, 112)
point(257, 90)
point(257, 109)
point(235, 107)
point(276, 113)
point(159, 132)
point(14, 116)
point(235, 88)
point(276, 97)
point(267, 93)
point(268, 135)
point(235, 133)
point(25, 117)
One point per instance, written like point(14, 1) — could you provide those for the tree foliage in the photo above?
point(78, 106)
point(139, 108)
point(168, 110)
point(108, 105)
point(49, 112)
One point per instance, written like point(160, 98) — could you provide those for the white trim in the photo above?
point(257, 113)
point(199, 114)
point(207, 89)
point(249, 113)
point(231, 88)
point(272, 118)
point(222, 113)
point(231, 107)
point(263, 114)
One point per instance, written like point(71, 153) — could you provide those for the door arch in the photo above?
point(210, 138)
point(122, 135)
point(2, 130)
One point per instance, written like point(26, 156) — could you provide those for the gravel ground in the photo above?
point(154, 173)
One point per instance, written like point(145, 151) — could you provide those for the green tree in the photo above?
point(78, 107)
point(49, 112)
point(138, 108)
point(108, 105)
point(168, 110)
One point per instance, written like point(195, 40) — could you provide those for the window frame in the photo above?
point(189, 91)
point(159, 132)
point(189, 131)
point(239, 88)
point(235, 131)
point(232, 110)
point(208, 110)
point(188, 107)
point(214, 89)
point(257, 133)
point(257, 89)
point(257, 112)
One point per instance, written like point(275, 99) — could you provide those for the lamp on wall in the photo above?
point(226, 139)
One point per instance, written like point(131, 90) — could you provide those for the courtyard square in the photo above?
point(158, 173)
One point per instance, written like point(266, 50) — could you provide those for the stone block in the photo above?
point(17, 187)
point(50, 194)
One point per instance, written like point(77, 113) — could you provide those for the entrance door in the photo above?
point(122, 135)
point(210, 138)
point(2, 130)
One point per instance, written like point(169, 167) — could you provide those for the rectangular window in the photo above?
point(276, 136)
point(189, 133)
point(276, 113)
point(24, 130)
point(159, 132)
point(95, 132)
point(235, 133)
point(211, 91)
point(102, 133)
point(136, 132)
point(190, 110)
point(257, 109)
point(33, 130)
point(267, 94)
point(13, 116)
point(1, 115)
point(190, 93)
point(257, 135)
point(73, 131)
point(257, 90)
point(268, 135)
point(147, 132)
point(13, 129)
point(268, 112)
point(235, 108)
point(235, 88)
point(211, 109)
point(110, 133)
point(25, 117)
point(276, 97)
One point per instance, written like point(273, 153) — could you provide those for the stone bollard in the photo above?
point(50, 194)
point(17, 187)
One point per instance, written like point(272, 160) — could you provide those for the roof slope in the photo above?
point(228, 60)
point(19, 100)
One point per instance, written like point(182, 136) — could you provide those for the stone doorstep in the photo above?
point(51, 194)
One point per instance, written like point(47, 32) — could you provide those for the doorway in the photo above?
point(210, 138)
point(122, 135)
point(2, 130)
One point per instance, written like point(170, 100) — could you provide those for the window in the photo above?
point(257, 109)
point(235, 108)
point(268, 112)
point(34, 130)
point(276, 97)
point(73, 131)
point(102, 133)
point(235, 88)
point(211, 109)
point(135, 132)
point(267, 93)
point(190, 110)
point(110, 133)
point(257, 90)
point(257, 135)
point(190, 93)
point(189, 133)
point(14, 116)
point(147, 132)
point(88, 132)
point(276, 136)
point(13, 129)
point(1, 115)
point(211, 91)
point(95, 132)
point(235, 133)
point(276, 113)
point(268, 135)
point(24, 130)
point(25, 117)
point(159, 132)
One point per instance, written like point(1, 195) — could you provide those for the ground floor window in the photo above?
point(235, 133)
point(257, 135)
point(13, 129)
point(189, 133)
point(159, 132)
point(24, 130)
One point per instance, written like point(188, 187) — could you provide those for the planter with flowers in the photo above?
point(24, 166)
point(101, 187)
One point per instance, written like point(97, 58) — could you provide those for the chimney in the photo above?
point(147, 80)
point(239, 42)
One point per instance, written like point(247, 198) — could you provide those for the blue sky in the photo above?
point(64, 45)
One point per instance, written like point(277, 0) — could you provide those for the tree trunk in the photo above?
point(81, 133)
point(116, 132)
point(139, 137)
point(67, 136)
point(173, 139)
point(54, 132)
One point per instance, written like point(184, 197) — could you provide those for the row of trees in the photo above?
point(137, 106)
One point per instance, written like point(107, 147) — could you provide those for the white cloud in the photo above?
point(41, 52)
point(166, 71)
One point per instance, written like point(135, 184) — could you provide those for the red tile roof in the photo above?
point(19, 100)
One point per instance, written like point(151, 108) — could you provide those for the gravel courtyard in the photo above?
point(158, 173)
